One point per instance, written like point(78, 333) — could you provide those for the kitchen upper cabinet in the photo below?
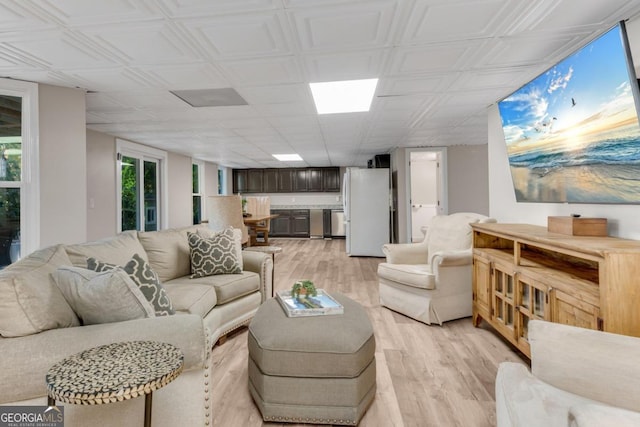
point(270, 181)
point(254, 180)
point(314, 179)
point(239, 180)
point(331, 179)
point(286, 180)
point(300, 180)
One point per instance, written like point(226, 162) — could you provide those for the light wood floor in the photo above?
point(426, 375)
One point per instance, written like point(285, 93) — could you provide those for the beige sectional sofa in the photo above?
point(38, 327)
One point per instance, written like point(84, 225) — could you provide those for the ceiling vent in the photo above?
point(223, 97)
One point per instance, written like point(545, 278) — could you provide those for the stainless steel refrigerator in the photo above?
point(366, 195)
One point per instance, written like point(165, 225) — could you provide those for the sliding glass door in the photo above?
point(19, 189)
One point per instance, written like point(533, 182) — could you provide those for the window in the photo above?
point(141, 173)
point(220, 180)
point(19, 197)
point(197, 169)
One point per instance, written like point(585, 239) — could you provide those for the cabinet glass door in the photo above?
point(503, 302)
point(533, 303)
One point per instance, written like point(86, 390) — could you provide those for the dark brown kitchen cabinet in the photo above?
point(290, 223)
point(286, 180)
point(331, 179)
point(270, 181)
point(314, 179)
point(239, 180)
point(300, 180)
point(254, 180)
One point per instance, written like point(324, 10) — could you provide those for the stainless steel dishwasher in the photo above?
point(316, 229)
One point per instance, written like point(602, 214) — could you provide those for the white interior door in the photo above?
point(424, 190)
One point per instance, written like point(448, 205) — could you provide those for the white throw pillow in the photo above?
point(106, 297)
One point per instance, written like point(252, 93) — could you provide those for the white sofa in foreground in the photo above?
point(579, 378)
point(38, 327)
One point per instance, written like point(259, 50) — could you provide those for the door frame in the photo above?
point(142, 152)
point(443, 207)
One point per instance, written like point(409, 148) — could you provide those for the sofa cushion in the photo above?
point(168, 251)
point(140, 271)
point(117, 250)
point(232, 286)
point(191, 297)
point(105, 297)
point(416, 275)
point(30, 301)
point(214, 255)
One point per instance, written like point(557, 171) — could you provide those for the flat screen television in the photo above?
point(572, 133)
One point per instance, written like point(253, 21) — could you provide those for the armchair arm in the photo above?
point(262, 264)
point(26, 360)
point(451, 258)
point(593, 415)
point(597, 365)
point(405, 253)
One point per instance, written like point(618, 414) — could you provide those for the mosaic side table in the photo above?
point(113, 373)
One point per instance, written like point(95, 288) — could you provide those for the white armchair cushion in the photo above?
point(594, 415)
point(416, 275)
point(598, 365)
point(524, 400)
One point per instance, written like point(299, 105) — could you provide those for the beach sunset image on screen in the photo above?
point(572, 133)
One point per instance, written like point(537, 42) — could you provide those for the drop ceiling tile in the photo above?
point(290, 109)
point(156, 43)
point(107, 79)
point(242, 36)
point(433, 58)
point(531, 50)
point(352, 65)
point(263, 71)
point(55, 49)
point(22, 16)
point(83, 13)
point(276, 94)
point(359, 25)
point(186, 76)
point(190, 8)
point(455, 20)
point(406, 86)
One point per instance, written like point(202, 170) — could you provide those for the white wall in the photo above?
point(180, 191)
point(63, 166)
point(467, 182)
point(622, 219)
point(468, 178)
point(101, 186)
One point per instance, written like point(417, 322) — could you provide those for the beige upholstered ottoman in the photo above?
point(318, 369)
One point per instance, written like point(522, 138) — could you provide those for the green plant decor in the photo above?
point(303, 289)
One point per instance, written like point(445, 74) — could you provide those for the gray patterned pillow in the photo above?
point(145, 278)
point(214, 255)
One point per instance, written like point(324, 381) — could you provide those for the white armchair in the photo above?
point(431, 281)
point(579, 378)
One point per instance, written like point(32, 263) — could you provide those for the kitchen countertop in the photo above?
point(335, 207)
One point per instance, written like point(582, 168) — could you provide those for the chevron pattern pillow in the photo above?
point(214, 255)
point(145, 278)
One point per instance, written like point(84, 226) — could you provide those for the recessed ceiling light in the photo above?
point(347, 96)
point(288, 157)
